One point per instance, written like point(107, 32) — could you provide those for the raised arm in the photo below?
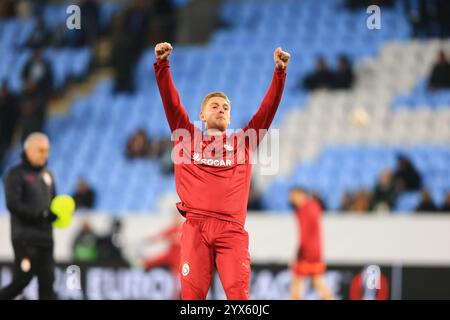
point(266, 112)
point(175, 113)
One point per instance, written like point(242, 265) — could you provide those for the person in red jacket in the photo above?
point(171, 257)
point(309, 261)
point(212, 178)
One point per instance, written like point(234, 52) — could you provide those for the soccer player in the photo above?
point(309, 257)
point(212, 175)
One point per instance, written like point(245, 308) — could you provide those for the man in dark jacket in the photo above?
point(29, 190)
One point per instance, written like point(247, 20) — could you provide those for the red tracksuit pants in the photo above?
point(206, 242)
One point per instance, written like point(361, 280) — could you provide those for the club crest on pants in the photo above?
point(185, 269)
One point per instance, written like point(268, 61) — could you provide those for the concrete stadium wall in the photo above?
point(348, 238)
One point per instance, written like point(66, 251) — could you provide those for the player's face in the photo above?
point(216, 114)
point(37, 152)
point(297, 198)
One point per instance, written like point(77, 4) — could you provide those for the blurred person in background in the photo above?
point(361, 201)
point(37, 79)
point(137, 17)
point(84, 195)
point(32, 116)
point(165, 158)
point(343, 76)
point(29, 190)
point(138, 145)
point(7, 9)
point(37, 76)
point(346, 201)
point(440, 74)
point(129, 38)
point(9, 114)
point(63, 37)
point(24, 9)
point(421, 14)
point(164, 21)
point(308, 262)
point(443, 12)
point(109, 246)
point(171, 257)
point(426, 203)
point(84, 247)
point(406, 176)
point(429, 18)
point(160, 147)
point(320, 78)
point(40, 35)
point(356, 202)
point(122, 57)
point(90, 17)
point(384, 196)
point(446, 206)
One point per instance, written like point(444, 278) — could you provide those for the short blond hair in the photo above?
point(215, 94)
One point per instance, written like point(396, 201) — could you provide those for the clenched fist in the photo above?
point(163, 50)
point(281, 58)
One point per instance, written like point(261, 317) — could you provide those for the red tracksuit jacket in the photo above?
point(214, 184)
point(309, 223)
